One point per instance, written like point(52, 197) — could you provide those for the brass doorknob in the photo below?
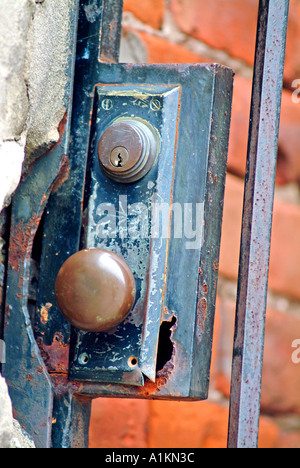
point(95, 290)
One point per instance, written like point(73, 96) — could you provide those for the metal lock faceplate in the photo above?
point(163, 349)
point(118, 218)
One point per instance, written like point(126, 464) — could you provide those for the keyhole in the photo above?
point(119, 157)
point(120, 163)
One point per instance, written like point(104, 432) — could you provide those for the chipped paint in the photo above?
point(56, 355)
point(113, 222)
point(63, 175)
point(21, 241)
point(45, 313)
point(93, 11)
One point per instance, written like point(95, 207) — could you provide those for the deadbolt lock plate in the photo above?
point(130, 168)
point(154, 192)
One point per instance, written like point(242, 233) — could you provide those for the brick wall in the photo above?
point(219, 31)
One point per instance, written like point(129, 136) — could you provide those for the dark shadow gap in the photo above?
point(165, 344)
point(35, 271)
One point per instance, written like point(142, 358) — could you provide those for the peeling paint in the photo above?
point(55, 356)
point(92, 11)
point(45, 313)
point(21, 240)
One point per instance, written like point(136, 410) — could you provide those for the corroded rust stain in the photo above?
point(201, 314)
point(22, 236)
point(55, 356)
point(45, 313)
point(62, 127)
point(62, 385)
point(162, 376)
point(63, 175)
point(21, 241)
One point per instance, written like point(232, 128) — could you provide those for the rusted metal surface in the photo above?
point(4, 239)
point(37, 363)
point(257, 223)
point(28, 379)
point(176, 291)
point(111, 30)
point(134, 248)
point(95, 37)
point(164, 263)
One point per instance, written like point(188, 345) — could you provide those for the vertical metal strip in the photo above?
point(110, 36)
point(30, 387)
point(257, 224)
point(99, 34)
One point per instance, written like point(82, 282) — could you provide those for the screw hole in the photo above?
point(83, 359)
point(133, 361)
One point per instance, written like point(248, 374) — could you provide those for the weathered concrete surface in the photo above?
point(15, 19)
point(35, 49)
point(11, 433)
point(47, 59)
point(11, 160)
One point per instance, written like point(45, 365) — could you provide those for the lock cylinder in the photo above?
point(128, 150)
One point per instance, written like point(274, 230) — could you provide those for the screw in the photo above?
point(155, 105)
point(83, 359)
point(119, 156)
point(107, 104)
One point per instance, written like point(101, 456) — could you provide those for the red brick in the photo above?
point(119, 423)
point(162, 51)
point(187, 425)
point(222, 346)
point(284, 275)
point(231, 227)
point(218, 330)
point(237, 152)
point(156, 424)
point(231, 26)
point(220, 24)
point(281, 377)
point(148, 11)
point(288, 168)
point(269, 433)
point(198, 425)
point(290, 440)
point(285, 250)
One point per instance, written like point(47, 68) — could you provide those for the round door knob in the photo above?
point(95, 290)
